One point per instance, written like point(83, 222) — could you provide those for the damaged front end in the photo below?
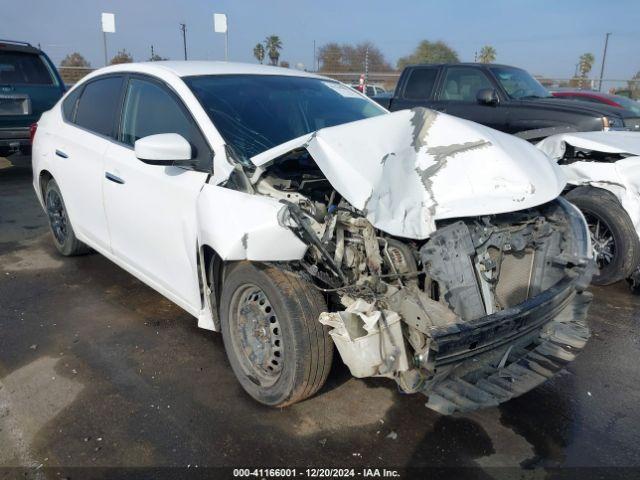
point(453, 268)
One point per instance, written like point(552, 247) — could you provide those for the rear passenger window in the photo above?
point(420, 83)
point(21, 68)
point(69, 104)
point(98, 105)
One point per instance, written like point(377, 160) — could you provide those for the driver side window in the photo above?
point(150, 109)
point(462, 84)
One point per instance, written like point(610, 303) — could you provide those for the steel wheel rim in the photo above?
point(57, 216)
point(602, 241)
point(256, 334)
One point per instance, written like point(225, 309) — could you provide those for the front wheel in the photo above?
point(615, 243)
point(279, 351)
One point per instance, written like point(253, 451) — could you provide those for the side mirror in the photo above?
point(163, 148)
point(487, 96)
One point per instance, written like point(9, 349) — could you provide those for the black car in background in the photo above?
point(29, 86)
point(499, 96)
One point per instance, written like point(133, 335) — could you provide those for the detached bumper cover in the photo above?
point(529, 366)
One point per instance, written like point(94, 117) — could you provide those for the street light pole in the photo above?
point(226, 44)
point(183, 28)
point(104, 43)
point(604, 56)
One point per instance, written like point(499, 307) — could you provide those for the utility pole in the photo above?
point(183, 28)
point(475, 57)
point(152, 53)
point(314, 56)
point(604, 56)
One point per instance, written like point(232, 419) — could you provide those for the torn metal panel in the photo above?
point(407, 169)
point(621, 177)
point(245, 227)
point(609, 142)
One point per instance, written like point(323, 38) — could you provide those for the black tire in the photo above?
point(64, 238)
point(598, 205)
point(300, 345)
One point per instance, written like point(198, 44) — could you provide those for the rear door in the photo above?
point(79, 144)
point(151, 209)
point(457, 96)
point(417, 90)
point(28, 87)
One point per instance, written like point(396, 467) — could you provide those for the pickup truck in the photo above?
point(498, 96)
point(29, 86)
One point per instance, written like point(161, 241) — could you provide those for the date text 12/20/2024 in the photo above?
point(315, 473)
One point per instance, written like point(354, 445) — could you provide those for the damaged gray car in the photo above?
point(428, 249)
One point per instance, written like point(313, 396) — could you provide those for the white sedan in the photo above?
point(292, 213)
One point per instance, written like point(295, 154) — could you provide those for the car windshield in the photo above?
point(519, 84)
point(254, 113)
point(627, 103)
point(19, 68)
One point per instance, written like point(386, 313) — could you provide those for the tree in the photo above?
point(487, 54)
point(155, 58)
point(258, 52)
point(121, 57)
point(430, 52)
point(585, 64)
point(74, 60)
point(273, 45)
point(284, 64)
point(351, 58)
point(634, 86)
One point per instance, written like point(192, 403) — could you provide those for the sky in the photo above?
point(545, 37)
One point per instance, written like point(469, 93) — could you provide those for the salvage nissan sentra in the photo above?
point(292, 213)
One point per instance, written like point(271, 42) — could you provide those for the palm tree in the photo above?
point(487, 54)
point(273, 45)
point(258, 52)
point(586, 62)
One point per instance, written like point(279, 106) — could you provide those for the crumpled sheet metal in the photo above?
point(409, 168)
point(608, 142)
point(239, 226)
point(622, 178)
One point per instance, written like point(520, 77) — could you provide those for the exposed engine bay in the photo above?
point(465, 316)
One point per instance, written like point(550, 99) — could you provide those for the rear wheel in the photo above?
point(64, 237)
point(278, 349)
point(615, 243)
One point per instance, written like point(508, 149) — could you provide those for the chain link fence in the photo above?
point(388, 80)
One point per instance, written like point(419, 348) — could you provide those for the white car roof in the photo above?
point(203, 67)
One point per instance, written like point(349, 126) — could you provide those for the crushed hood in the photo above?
point(407, 169)
point(607, 142)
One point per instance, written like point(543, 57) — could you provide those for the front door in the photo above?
point(457, 97)
point(151, 209)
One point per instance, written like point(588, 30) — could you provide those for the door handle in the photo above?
point(113, 178)
point(61, 154)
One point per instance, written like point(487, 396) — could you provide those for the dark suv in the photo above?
point(29, 85)
point(502, 97)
